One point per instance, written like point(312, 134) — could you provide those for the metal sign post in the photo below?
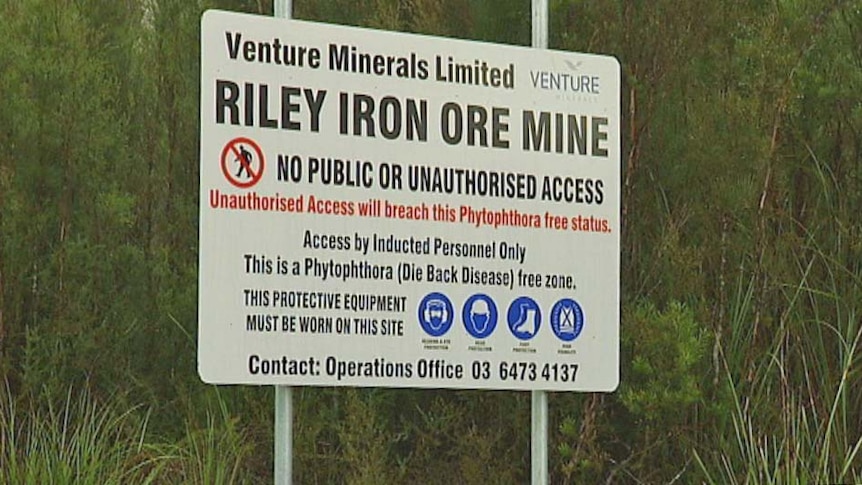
point(539, 437)
point(283, 434)
point(539, 401)
point(283, 394)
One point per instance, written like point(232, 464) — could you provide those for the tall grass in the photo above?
point(802, 448)
point(81, 441)
point(796, 409)
point(84, 441)
point(210, 453)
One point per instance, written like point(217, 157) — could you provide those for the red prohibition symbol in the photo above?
point(242, 162)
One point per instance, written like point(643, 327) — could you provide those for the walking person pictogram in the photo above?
point(244, 161)
point(248, 157)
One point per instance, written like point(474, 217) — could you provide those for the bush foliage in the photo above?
point(741, 275)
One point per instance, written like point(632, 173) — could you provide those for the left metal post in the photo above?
point(539, 399)
point(283, 435)
point(283, 9)
point(283, 394)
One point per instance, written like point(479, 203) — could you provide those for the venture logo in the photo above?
point(567, 82)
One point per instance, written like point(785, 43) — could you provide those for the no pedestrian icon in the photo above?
point(242, 162)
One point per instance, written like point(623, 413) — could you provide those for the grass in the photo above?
point(796, 413)
point(80, 441)
point(85, 441)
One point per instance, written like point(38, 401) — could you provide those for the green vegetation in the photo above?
point(741, 274)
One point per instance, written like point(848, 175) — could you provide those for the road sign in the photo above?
point(432, 213)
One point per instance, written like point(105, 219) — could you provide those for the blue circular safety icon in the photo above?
point(436, 314)
point(479, 315)
point(567, 319)
point(524, 318)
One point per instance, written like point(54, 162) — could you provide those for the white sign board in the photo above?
point(384, 209)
